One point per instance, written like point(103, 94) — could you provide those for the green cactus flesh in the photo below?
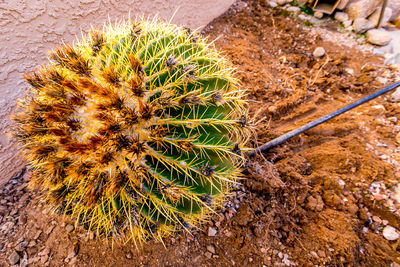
point(135, 131)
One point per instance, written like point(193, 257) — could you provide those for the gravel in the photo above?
point(212, 231)
point(69, 228)
point(390, 233)
point(319, 52)
point(13, 259)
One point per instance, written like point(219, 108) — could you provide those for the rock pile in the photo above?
point(360, 16)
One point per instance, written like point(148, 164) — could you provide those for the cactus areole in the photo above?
point(135, 131)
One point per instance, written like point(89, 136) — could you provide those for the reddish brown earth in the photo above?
point(308, 202)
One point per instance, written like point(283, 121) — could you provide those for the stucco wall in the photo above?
point(28, 28)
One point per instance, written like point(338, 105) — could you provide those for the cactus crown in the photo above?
point(135, 130)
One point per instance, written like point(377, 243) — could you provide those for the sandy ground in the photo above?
point(324, 198)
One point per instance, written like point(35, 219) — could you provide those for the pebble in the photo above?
point(361, 25)
point(44, 259)
point(318, 15)
point(314, 254)
point(321, 253)
point(211, 248)
point(129, 256)
point(282, 2)
point(45, 252)
point(319, 52)
point(347, 24)
point(378, 37)
point(397, 138)
point(349, 71)
point(7, 226)
point(32, 243)
point(341, 16)
point(69, 228)
point(13, 258)
point(33, 260)
point(50, 229)
point(37, 235)
point(272, 4)
point(294, 9)
point(376, 219)
point(208, 255)
point(396, 95)
point(390, 233)
point(212, 231)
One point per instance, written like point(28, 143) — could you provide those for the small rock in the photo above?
point(294, 9)
point(211, 248)
point(378, 37)
point(32, 243)
point(69, 228)
point(208, 255)
point(321, 253)
point(379, 107)
point(37, 235)
point(91, 235)
point(362, 25)
point(24, 244)
point(396, 95)
point(24, 197)
point(272, 4)
point(44, 259)
point(349, 71)
point(319, 52)
point(353, 209)
point(398, 138)
point(314, 254)
point(129, 256)
point(13, 259)
point(347, 24)
point(315, 203)
point(282, 2)
point(50, 229)
point(45, 252)
point(272, 109)
point(390, 233)
point(7, 226)
point(377, 219)
point(212, 231)
point(318, 14)
point(341, 16)
point(33, 260)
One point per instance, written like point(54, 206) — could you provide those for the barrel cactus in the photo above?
point(135, 131)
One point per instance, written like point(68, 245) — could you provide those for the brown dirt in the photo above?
point(307, 202)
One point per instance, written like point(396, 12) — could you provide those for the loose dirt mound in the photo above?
point(322, 198)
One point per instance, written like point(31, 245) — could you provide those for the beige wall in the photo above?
point(28, 28)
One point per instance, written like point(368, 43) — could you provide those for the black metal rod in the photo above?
point(279, 140)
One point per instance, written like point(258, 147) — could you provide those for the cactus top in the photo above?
point(135, 130)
